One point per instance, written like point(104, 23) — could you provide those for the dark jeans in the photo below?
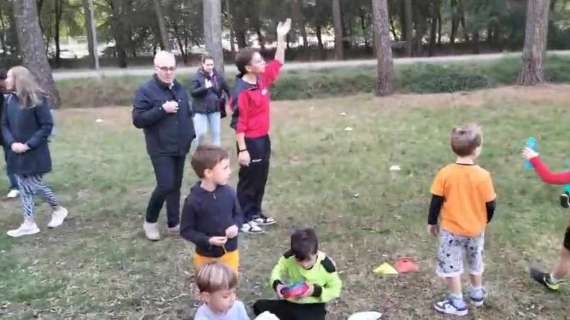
point(11, 176)
point(252, 179)
point(169, 172)
point(285, 310)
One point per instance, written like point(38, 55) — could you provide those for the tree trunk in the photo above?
point(408, 12)
point(338, 35)
point(91, 34)
point(393, 29)
point(213, 31)
point(475, 43)
point(385, 81)
point(363, 27)
point(299, 20)
point(58, 13)
point(119, 32)
point(230, 19)
point(536, 35)
point(433, 28)
point(164, 41)
point(32, 46)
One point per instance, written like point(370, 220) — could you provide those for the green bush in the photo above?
point(308, 84)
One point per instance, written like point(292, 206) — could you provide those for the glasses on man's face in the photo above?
point(166, 69)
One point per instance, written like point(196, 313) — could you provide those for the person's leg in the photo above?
point(562, 270)
point(249, 185)
point(450, 267)
point(313, 311)
point(45, 192)
point(280, 308)
point(262, 218)
point(27, 190)
point(200, 127)
point(173, 197)
point(215, 124)
point(231, 259)
point(59, 213)
point(474, 250)
point(164, 170)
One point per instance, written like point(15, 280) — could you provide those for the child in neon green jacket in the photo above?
point(303, 263)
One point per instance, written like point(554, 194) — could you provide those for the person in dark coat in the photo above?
point(13, 193)
point(209, 102)
point(26, 125)
point(162, 109)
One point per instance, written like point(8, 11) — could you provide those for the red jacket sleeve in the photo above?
point(271, 74)
point(243, 107)
point(548, 176)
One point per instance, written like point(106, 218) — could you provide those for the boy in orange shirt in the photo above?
point(464, 193)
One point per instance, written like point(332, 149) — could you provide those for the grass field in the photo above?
point(99, 266)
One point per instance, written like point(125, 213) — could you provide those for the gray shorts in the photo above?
point(454, 249)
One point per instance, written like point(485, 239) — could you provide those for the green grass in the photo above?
point(337, 82)
point(99, 266)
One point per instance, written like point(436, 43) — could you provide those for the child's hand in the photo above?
point(283, 28)
point(433, 229)
point(528, 153)
point(218, 241)
point(232, 232)
point(244, 158)
point(278, 291)
point(309, 292)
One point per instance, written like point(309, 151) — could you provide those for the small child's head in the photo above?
point(217, 284)
point(304, 247)
point(249, 60)
point(212, 163)
point(467, 141)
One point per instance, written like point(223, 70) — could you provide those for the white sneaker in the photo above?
point(57, 217)
point(14, 193)
point(151, 231)
point(174, 230)
point(27, 228)
point(251, 227)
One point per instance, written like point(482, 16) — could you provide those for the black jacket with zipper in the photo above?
point(208, 214)
point(166, 134)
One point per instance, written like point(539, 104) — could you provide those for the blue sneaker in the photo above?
point(451, 306)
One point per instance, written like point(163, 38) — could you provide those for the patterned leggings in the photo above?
point(29, 186)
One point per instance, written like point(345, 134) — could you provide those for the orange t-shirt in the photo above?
point(466, 189)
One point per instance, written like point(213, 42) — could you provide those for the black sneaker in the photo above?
point(565, 200)
point(264, 220)
point(544, 279)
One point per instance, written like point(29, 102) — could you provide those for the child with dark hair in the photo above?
point(465, 195)
point(302, 263)
point(250, 104)
point(211, 216)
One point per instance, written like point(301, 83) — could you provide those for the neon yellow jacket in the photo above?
point(323, 276)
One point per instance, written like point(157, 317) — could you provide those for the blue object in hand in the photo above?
point(533, 144)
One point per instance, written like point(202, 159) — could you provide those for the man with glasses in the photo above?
point(162, 109)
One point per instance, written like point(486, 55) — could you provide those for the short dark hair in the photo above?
point(304, 243)
point(465, 139)
point(216, 276)
point(207, 156)
point(206, 57)
point(243, 58)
